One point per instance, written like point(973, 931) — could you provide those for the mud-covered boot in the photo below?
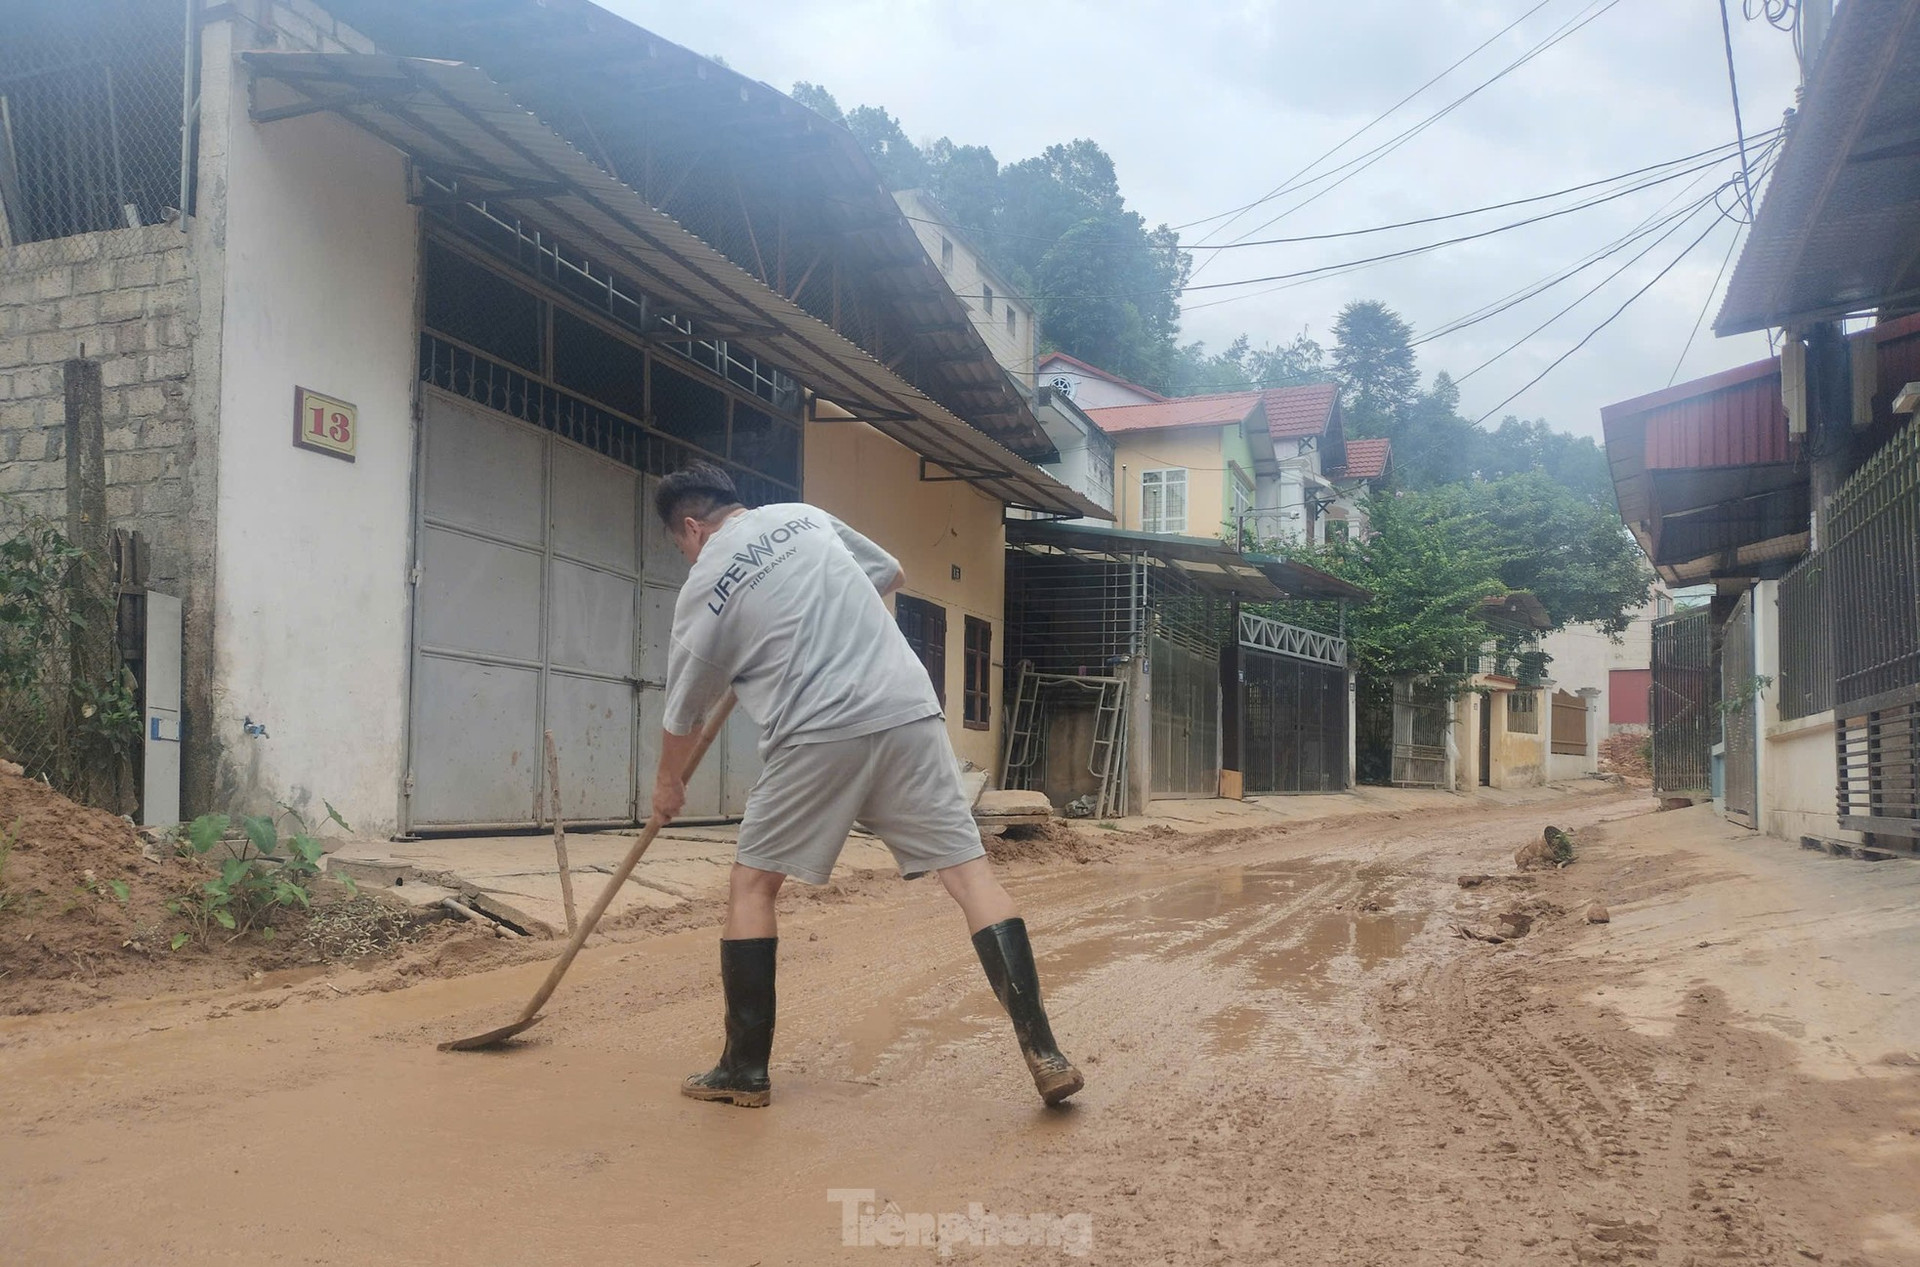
point(746, 974)
point(1007, 956)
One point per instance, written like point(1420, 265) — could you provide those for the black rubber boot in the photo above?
point(1007, 956)
point(746, 973)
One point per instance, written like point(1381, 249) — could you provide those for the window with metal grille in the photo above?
point(1013, 327)
point(986, 296)
point(1523, 713)
point(925, 626)
point(979, 653)
point(528, 343)
point(1163, 500)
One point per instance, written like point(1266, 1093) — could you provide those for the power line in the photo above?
point(1704, 305)
point(1592, 290)
point(1281, 188)
point(1588, 338)
point(1653, 223)
point(1381, 151)
point(1389, 255)
point(1733, 85)
point(1713, 156)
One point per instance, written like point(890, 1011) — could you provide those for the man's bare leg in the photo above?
point(750, 895)
point(1000, 939)
point(974, 886)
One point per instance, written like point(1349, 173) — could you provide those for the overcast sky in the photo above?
point(1207, 106)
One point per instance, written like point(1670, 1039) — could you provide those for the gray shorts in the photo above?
point(903, 785)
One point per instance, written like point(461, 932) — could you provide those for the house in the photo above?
point(1089, 386)
point(1270, 466)
point(387, 368)
point(1500, 731)
point(1082, 455)
point(1793, 696)
point(1005, 320)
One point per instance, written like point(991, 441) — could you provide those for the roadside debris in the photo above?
point(1597, 914)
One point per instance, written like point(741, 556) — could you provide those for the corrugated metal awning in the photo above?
point(1839, 230)
point(1260, 578)
point(455, 121)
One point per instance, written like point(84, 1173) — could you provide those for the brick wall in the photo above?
point(125, 298)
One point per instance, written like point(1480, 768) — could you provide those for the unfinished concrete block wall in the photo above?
point(124, 298)
point(308, 28)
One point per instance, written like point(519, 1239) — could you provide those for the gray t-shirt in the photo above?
point(783, 607)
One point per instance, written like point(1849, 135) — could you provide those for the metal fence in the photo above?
point(1684, 693)
point(90, 117)
point(1806, 640)
point(1419, 735)
point(1872, 534)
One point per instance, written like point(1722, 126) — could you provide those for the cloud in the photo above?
point(1206, 107)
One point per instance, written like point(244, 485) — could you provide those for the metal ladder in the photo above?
point(1024, 740)
point(1106, 759)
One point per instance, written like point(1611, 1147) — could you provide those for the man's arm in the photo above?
point(881, 568)
point(670, 781)
point(694, 686)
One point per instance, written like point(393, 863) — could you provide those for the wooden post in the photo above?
point(93, 657)
point(560, 833)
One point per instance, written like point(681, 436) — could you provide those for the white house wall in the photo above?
point(311, 593)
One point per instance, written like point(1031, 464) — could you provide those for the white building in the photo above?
point(389, 400)
point(1004, 319)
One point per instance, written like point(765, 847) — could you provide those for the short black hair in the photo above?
point(698, 491)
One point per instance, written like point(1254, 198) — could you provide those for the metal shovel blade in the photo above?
point(491, 1038)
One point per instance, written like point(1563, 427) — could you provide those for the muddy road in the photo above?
point(1291, 1056)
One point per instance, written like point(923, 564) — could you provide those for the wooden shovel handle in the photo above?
point(711, 732)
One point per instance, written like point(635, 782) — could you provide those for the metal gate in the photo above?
point(543, 600)
point(1185, 686)
point(1295, 724)
point(1739, 715)
point(1419, 736)
point(1682, 702)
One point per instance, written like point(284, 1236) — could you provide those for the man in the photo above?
point(784, 607)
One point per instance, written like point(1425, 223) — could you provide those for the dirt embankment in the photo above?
point(87, 913)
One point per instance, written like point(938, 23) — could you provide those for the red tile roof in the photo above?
point(1184, 411)
point(1367, 459)
point(1293, 412)
point(1097, 372)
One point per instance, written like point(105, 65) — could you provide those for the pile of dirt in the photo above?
point(84, 912)
point(1048, 842)
point(1627, 756)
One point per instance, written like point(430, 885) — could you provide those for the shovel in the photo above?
point(530, 1015)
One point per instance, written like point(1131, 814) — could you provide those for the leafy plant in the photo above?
point(1741, 695)
point(262, 873)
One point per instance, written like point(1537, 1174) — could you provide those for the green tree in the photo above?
point(1432, 444)
point(1551, 541)
point(1373, 361)
point(1241, 366)
point(898, 159)
point(1574, 462)
point(1427, 565)
point(818, 100)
